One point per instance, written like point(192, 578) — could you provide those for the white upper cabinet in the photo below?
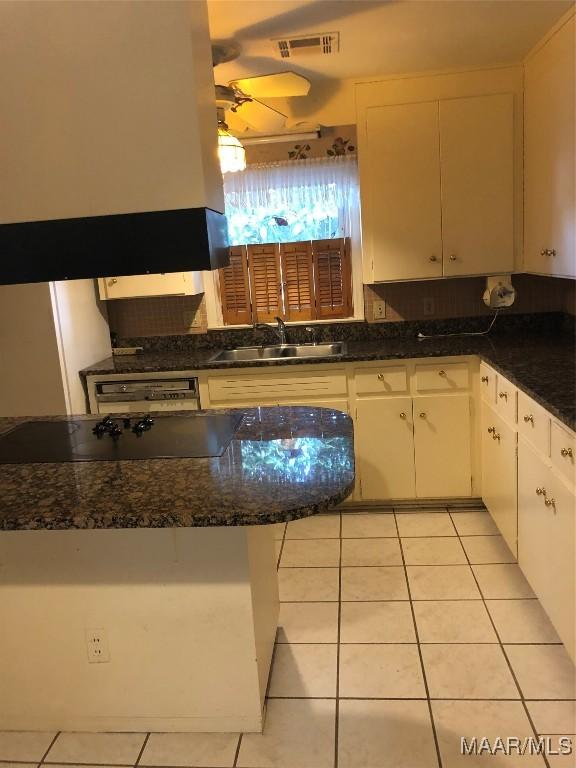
point(440, 174)
point(477, 161)
point(401, 192)
point(550, 230)
point(141, 286)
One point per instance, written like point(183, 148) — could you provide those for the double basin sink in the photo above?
point(281, 352)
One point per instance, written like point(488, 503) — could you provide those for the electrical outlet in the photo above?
point(379, 310)
point(429, 307)
point(97, 646)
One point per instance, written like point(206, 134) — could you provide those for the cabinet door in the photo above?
point(384, 447)
point(442, 445)
point(134, 286)
point(547, 540)
point(477, 165)
point(499, 487)
point(549, 157)
point(400, 183)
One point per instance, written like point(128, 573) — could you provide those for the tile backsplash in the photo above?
point(462, 297)
point(457, 297)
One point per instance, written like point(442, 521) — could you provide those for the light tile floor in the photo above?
point(399, 634)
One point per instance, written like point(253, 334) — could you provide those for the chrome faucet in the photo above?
point(280, 329)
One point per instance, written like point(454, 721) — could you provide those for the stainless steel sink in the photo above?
point(282, 351)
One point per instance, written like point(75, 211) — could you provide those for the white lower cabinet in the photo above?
point(384, 443)
point(442, 437)
point(547, 539)
point(499, 474)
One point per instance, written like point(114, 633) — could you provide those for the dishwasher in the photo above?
point(141, 394)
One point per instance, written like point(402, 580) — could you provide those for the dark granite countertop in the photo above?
point(541, 364)
point(282, 464)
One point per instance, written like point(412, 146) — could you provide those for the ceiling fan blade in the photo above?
point(276, 86)
point(261, 118)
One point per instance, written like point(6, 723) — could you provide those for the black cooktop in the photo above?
point(200, 435)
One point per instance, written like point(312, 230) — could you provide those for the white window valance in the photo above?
point(292, 200)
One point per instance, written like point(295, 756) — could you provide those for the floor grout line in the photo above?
point(137, 763)
point(45, 755)
point(337, 706)
point(503, 650)
point(430, 712)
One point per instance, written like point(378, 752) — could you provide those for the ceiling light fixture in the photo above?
point(231, 153)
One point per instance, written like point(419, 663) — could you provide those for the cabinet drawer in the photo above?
point(506, 399)
point(447, 377)
point(487, 384)
point(563, 451)
point(385, 380)
point(275, 387)
point(534, 423)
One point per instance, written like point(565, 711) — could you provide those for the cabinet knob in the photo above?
point(402, 415)
point(453, 257)
point(541, 491)
point(422, 415)
point(496, 436)
point(503, 395)
point(380, 377)
point(112, 281)
point(491, 429)
point(484, 379)
point(550, 502)
point(566, 452)
point(548, 252)
point(433, 258)
point(529, 418)
point(441, 373)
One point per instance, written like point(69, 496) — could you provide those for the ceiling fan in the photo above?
point(242, 97)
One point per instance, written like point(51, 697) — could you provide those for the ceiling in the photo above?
point(381, 37)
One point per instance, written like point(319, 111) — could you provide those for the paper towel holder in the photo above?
point(499, 291)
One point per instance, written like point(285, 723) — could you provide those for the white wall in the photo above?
point(30, 374)
point(83, 335)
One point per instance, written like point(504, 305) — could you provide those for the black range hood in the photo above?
point(117, 244)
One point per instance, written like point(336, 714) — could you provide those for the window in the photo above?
point(303, 280)
point(289, 225)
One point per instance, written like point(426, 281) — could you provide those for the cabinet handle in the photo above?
point(503, 395)
point(529, 418)
point(484, 379)
point(548, 252)
point(441, 373)
point(422, 415)
point(541, 491)
point(496, 436)
point(433, 258)
point(380, 377)
point(550, 503)
point(453, 257)
point(402, 415)
point(566, 452)
point(491, 429)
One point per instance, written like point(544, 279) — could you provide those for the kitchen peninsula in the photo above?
point(143, 594)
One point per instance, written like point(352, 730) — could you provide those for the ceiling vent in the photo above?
point(304, 45)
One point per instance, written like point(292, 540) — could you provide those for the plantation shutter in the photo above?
point(235, 288)
point(298, 277)
point(332, 278)
point(264, 263)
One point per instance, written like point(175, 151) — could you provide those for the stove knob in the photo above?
point(99, 429)
point(106, 420)
point(148, 421)
point(138, 428)
point(114, 431)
